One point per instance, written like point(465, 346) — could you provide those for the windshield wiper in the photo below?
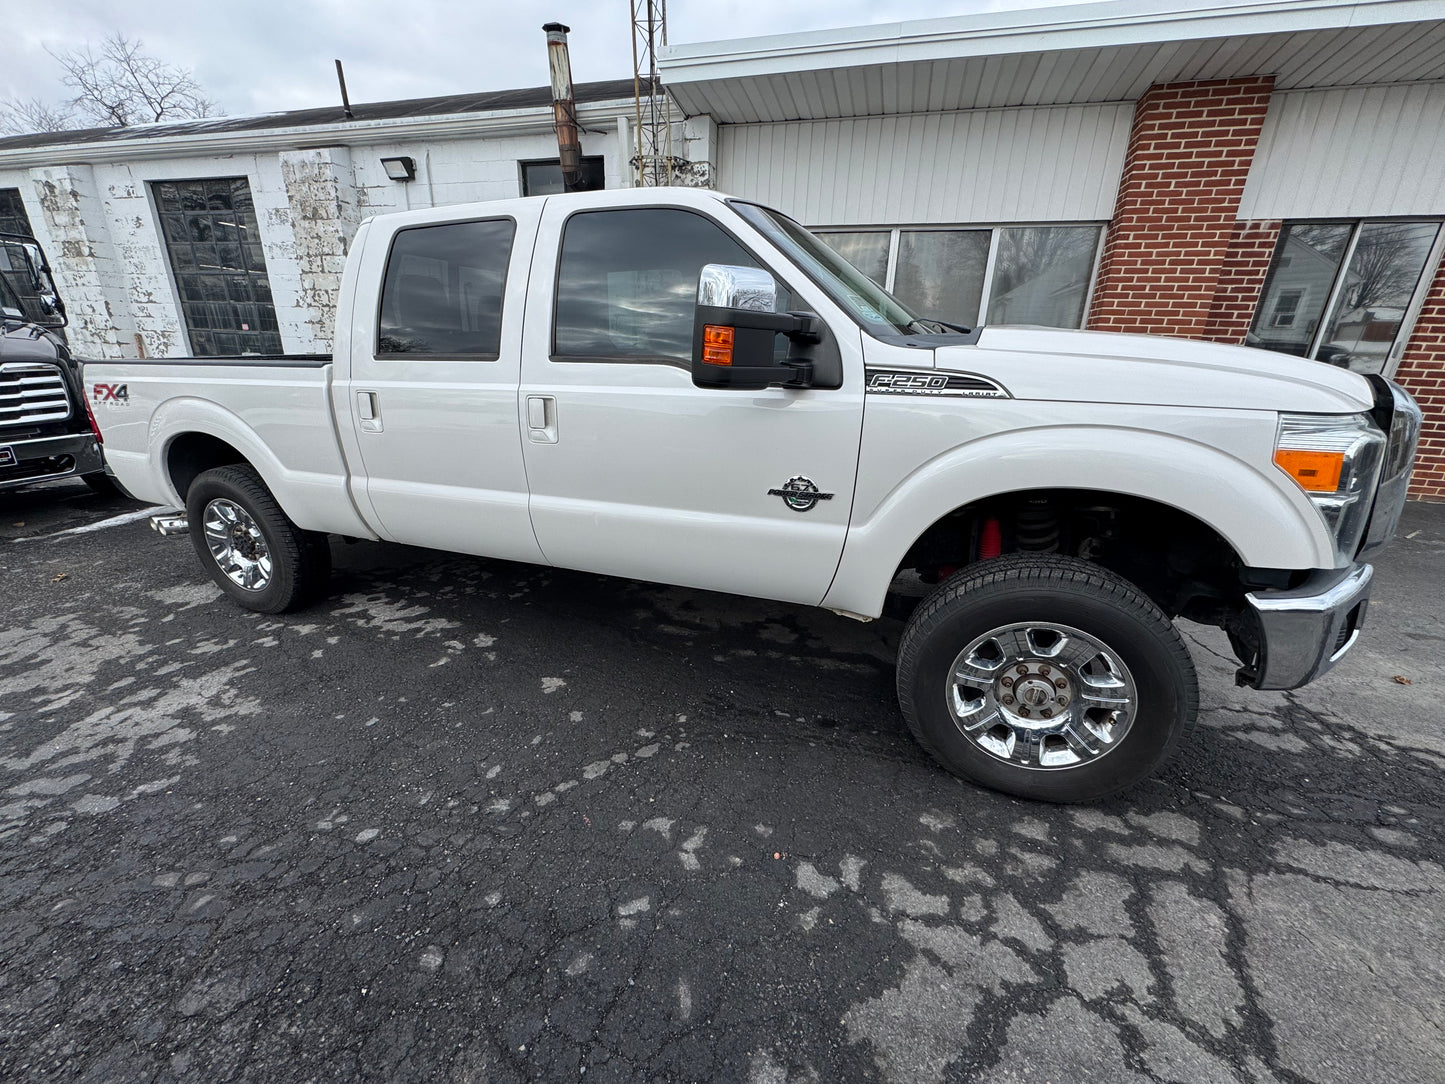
point(938, 327)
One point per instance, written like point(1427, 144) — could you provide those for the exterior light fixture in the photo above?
point(399, 169)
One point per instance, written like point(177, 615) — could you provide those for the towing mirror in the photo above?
point(735, 327)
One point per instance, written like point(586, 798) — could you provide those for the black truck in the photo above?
point(46, 429)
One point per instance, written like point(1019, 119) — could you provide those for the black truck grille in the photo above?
point(32, 392)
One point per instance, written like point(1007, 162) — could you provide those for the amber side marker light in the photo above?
point(1316, 472)
point(717, 344)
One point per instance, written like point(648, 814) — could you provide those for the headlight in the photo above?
point(1335, 459)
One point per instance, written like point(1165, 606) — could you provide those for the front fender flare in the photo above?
point(1265, 523)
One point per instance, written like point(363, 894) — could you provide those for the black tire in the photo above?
point(300, 560)
point(102, 484)
point(1064, 591)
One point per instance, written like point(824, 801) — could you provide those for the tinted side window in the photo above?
point(627, 282)
point(443, 289)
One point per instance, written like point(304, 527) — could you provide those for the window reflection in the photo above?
point(443, 289)
point(1372, 293)
point(627, 282)
point(940, 273)
point(1383, 273)
point(867, 250)
point(1041, 275)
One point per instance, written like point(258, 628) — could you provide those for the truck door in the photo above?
point(432, 385)
point(633, 470)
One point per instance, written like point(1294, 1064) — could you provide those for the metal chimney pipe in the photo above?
point(564, 107)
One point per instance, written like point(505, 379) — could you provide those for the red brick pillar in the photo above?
point(1189, 154)
point(1422, 373)
point(1241, 281)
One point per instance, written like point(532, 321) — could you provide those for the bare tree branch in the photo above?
point(23, 116)
point(121, 85)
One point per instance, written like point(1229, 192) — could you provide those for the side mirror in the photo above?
point(734, 329)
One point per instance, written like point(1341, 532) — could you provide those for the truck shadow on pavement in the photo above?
point(474, 820)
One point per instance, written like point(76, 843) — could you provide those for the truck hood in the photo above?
point(1105, 367)
point(27, 342)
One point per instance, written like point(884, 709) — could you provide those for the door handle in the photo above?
point(542, 419)
point(368, 411)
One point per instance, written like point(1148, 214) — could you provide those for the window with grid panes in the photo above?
point(13, 218)
point(214, 247)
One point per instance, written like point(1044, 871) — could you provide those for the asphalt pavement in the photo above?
point(475, 821)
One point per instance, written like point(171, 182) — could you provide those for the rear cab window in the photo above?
point(442, 293)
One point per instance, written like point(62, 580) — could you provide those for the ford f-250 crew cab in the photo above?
point(676, 386)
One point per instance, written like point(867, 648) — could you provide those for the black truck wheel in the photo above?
point(249, 546)
point(1045, 677)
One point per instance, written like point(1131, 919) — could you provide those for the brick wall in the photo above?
point(1175, 219)
point(1241, 281)
point(1422, 373)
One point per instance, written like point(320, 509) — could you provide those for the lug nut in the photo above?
point(1008, 700)
point(1044, 670)
point(1023, 711)
point(1061, 684)
point(1021, 669)
point(1007, 682)
point(1047, 712)
point(1062, 700)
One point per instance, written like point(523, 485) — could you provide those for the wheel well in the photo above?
point(190, 454)
point(1179, 561)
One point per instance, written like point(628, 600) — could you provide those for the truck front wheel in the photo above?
point(1045, 677)
point(248, 545)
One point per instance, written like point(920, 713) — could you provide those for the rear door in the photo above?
point(633, 470)
point(432, 386)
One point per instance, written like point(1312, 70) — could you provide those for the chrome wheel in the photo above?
point(237, 544)
point(1041, 696)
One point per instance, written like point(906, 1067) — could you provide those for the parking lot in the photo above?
point(475, 821)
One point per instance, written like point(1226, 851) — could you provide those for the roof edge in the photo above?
point(1034, 30)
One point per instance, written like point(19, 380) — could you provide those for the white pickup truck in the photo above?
point(677, 386)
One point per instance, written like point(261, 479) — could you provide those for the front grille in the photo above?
point(32, 392)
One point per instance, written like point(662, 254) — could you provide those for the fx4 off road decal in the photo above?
point(936, 382)
point(110, 393)
point(800, 494)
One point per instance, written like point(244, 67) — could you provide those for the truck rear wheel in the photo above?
point(1045, 677)
point(248, 545)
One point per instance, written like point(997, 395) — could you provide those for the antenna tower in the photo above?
point(653, 160)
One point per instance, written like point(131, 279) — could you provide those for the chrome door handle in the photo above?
point(542, 419)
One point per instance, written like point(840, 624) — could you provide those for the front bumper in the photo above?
point(41, 459)
point(1304, 631)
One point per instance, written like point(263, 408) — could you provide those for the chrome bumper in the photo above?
point(1304, 631)
point(40, 459)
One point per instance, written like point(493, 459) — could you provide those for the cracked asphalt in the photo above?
point(475, 821)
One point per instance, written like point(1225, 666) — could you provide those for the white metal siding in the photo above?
point(1350, 152)
point(991, 165)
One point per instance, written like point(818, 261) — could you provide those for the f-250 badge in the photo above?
point(800, 494)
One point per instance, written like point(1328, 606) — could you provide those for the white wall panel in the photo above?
point(1350, 152)
point(988, 165)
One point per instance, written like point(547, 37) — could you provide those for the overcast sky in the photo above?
point(264, 55)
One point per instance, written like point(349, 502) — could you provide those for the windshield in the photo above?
point(864, 299)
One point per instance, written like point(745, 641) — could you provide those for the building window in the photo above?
point(544, 178)
point(1286, 307)
point(13, 218)
point(1343, 292)
point(627, 283)
point(999, 275)
point(220, 271)
point(442, 294)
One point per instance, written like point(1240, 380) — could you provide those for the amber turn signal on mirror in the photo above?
point(1316, 472)
point(717, 344)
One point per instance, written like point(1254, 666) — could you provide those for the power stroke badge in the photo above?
point(800, 494)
